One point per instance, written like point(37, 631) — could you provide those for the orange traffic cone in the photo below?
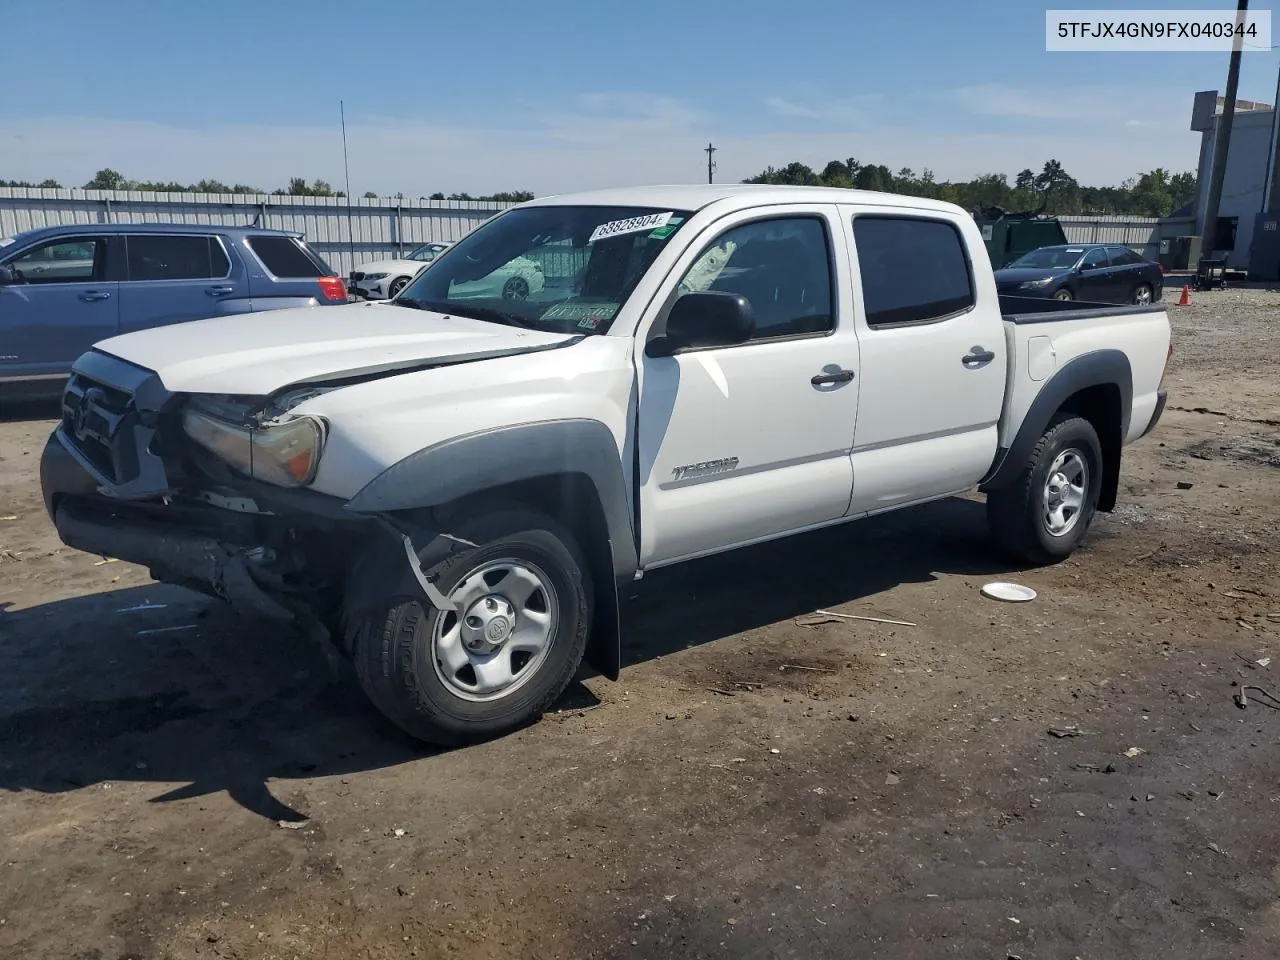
point(1185, 300)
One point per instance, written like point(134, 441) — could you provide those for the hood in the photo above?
point(404, 267)
point(255, 354)
point(1023, 274)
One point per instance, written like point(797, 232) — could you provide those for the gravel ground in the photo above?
point(181, 784)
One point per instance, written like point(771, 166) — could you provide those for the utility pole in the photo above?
point(709, 150)
point(1222, 142)
point(1272, 205)
point(346, 172)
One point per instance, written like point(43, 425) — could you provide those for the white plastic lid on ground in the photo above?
point(1008, 592)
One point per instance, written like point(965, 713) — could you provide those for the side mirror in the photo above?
point(705, 319)
point(6, 276)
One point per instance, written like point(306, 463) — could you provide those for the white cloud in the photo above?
point(600, 140)
point(1091, 105)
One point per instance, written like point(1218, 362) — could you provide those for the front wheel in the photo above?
point(398, 284)
point(1063, 295)
point(500, 658)
point(1044, 514)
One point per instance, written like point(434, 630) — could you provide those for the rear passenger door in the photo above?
point(1127, 269)
point(933, 357)
point(174, 278)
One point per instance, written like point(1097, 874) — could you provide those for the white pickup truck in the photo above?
point(451, 490)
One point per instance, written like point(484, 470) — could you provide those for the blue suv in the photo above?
point(62, 289)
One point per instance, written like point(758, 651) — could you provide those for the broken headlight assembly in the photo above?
point(283, 452)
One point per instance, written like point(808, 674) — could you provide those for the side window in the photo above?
point(913, 270)
point(1097, 257)
point(284, 258)
point(159, 256)
point(1123, 256)
point(782, 267)
point(61, 261)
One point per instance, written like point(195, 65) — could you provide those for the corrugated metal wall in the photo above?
point(344, 234)
point(1142, 234)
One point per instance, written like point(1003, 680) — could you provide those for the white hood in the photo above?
point(403, 268)
point(256, 354)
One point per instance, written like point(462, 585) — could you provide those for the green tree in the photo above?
point(370, 195)
point(107, 179)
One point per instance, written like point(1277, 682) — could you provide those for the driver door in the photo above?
point(1094, 282)
point(746, 442)
point(58, 304)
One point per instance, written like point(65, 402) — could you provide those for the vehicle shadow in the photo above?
point(159, 685)
point(19, 408)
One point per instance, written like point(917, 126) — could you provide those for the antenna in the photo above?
point(346, 170)
point(710, 150)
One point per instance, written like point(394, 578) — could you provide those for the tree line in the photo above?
point(1053, 191)
point(108, 179)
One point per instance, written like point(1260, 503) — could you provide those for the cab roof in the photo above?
point(737, 196)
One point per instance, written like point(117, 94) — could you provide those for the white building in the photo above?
point(1250, 162)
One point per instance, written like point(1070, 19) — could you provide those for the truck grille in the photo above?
point(97, 420)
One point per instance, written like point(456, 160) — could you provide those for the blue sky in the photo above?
point(564, 94)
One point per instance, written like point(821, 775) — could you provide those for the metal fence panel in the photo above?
point(344, 232)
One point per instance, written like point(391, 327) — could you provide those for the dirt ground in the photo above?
point(182, 784)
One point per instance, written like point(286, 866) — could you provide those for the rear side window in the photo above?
point(159, 256)
point(1124, 257)
point(285, 257)
point(913, 270)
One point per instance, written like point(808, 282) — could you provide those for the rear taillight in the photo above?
point(1161, 266)
point(332, 288)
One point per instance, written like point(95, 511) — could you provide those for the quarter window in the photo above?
point(61, 261)
point(284, 258)
point(913, 270)
point(782, 267)
point(159, 256)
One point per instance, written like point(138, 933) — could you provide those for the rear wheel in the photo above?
point(496, 662)
point(1142, 294)
point(1044, 514)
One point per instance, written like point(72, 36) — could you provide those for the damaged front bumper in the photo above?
point(218, 556)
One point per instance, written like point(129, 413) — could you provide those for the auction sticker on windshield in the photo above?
point(581, 310)
point(616, 228)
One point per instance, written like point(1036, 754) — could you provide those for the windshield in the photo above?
point(425, 252)
point(1050, 257)
point(562, 269)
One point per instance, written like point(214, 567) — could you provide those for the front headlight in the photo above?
point(1032, 284)
point(375, 276)
point(285, 454)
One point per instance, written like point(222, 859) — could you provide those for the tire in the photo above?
point(1063, 295)
point(517, 288)
point(1142, 294)
point(398, 284)
point(400, 646)
point(1022, 515)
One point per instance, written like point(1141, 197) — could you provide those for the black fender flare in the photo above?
point(1094, 369)
point(489, 460)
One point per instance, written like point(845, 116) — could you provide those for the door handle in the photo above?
point(219, 291)
point(823, 379)
point(89, 296)
point(977, 357)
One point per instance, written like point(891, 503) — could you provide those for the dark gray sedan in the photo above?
point(1092, 272)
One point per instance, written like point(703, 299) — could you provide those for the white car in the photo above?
point(383, 279)
point(452, 492)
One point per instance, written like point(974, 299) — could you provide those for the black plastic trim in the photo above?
point(1100, 368)
point(488, 459)
point(1162, 398)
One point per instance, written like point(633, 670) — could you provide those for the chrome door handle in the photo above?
point(219, 291)
point(840, 376)
point(977, 357)
point(89, 296)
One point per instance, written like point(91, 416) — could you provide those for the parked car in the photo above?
point(453, 491)
point(64, 288)
point(1095, 272)
point(383, 279)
